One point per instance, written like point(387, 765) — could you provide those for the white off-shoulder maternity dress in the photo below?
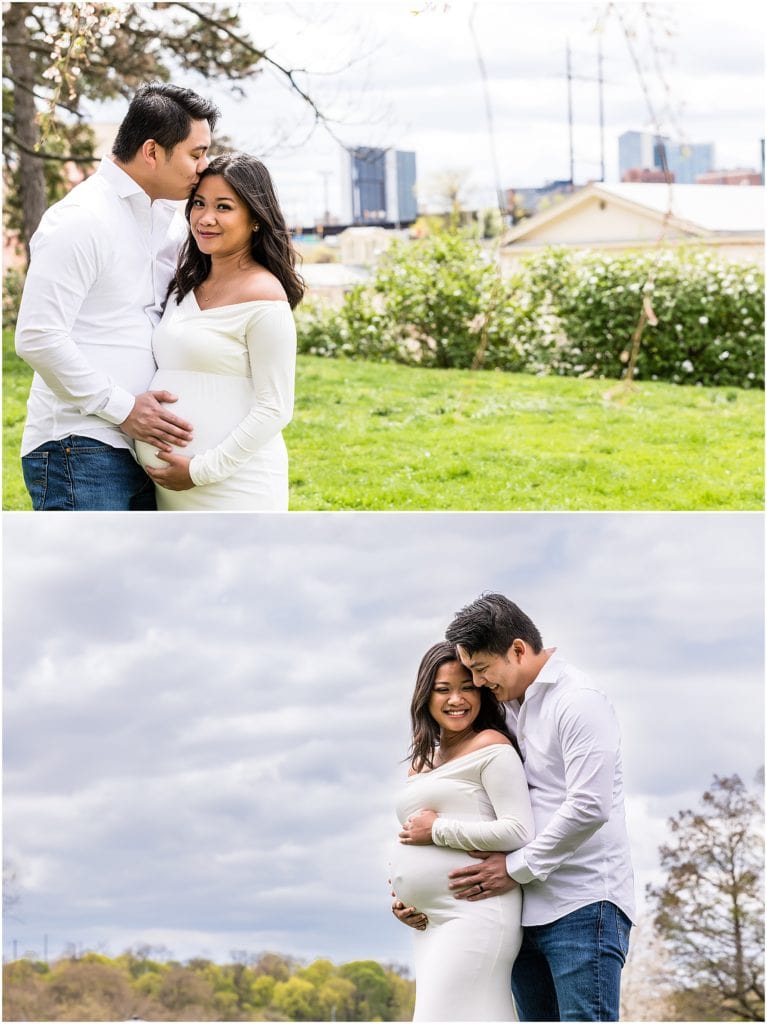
point(233, 370)
point(463, 959)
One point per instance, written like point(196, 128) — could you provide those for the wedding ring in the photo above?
point(479, 886)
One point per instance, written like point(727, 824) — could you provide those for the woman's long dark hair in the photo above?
point(270, 245)
point(425, 730)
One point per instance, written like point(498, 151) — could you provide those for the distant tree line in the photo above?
point(269, 987)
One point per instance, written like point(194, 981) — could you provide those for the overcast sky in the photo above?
point(205, 715)
point(406, 74)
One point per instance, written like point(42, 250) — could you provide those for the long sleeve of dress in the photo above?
point(503, 779)
point(271, 341)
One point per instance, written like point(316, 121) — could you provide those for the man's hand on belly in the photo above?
point(150, 421)
point(486, 878)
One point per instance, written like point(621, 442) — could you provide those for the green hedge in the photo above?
point(441, 301)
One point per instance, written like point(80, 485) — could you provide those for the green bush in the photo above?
point(583, 309)
point(441, 302)
point(13, 285)
point(438, 301)
point(356, 331)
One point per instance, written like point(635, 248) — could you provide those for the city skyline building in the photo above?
point(378, 186)
point(644, 151)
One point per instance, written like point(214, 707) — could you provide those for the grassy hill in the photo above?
point(385, 437)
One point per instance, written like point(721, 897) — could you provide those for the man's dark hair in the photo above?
point(492, 623)
point(164, 113)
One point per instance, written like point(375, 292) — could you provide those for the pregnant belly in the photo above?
point(419, 878)
point(212, 403)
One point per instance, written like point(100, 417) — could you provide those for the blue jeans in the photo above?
point(79, 473)
point(571, 969)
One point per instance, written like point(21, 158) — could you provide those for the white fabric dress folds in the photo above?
point(463, 959)
point(233, 369)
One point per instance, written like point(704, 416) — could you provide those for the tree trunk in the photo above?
point(31, 173)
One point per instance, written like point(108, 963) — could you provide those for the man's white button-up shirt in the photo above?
point(101, 262)
point(570, 743)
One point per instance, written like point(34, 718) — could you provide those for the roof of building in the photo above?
point(697, 210)
point(712, 207)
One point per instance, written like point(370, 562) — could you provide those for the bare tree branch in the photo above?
point(288, 73)
point(63, 158)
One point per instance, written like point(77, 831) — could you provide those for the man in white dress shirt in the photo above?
point(578, 887)
point(101, 262)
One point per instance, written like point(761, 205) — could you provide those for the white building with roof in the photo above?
point(629, 215)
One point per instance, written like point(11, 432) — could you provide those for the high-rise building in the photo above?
point(686, 162)
point(378, 186)
point(645, 151)
point(402, 207)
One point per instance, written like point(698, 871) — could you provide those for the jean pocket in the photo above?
point(34, 468)
point(622, 931)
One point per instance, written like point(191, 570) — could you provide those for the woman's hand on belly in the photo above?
point(417, 829)
point(175, 476)
point(409, 915)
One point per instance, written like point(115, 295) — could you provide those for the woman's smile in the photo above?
point(455, 700)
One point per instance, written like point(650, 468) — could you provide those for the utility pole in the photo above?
point(326, 214)
point(600, 79)
point(570, 115)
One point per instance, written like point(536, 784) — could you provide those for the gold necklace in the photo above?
point(207, 299)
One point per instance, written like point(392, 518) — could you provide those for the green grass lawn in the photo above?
point(370, 436)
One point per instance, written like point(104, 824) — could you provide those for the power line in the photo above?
point(500, 198)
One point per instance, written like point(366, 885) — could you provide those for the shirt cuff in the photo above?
point(118, 406)
point(516, 868)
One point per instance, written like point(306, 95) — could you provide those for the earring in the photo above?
point(255, 227)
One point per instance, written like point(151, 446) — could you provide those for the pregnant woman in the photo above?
point(226, 346)
point(466, 791)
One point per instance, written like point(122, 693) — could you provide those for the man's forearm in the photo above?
point(554, 846)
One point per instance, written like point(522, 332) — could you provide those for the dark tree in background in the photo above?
point(55, 55)
point(710, 909)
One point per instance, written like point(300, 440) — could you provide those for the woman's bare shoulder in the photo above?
point(261, 286)
point(489, 738)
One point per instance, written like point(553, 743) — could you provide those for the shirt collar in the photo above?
point(119, 179)
point(548, 675)
point(550, 670)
